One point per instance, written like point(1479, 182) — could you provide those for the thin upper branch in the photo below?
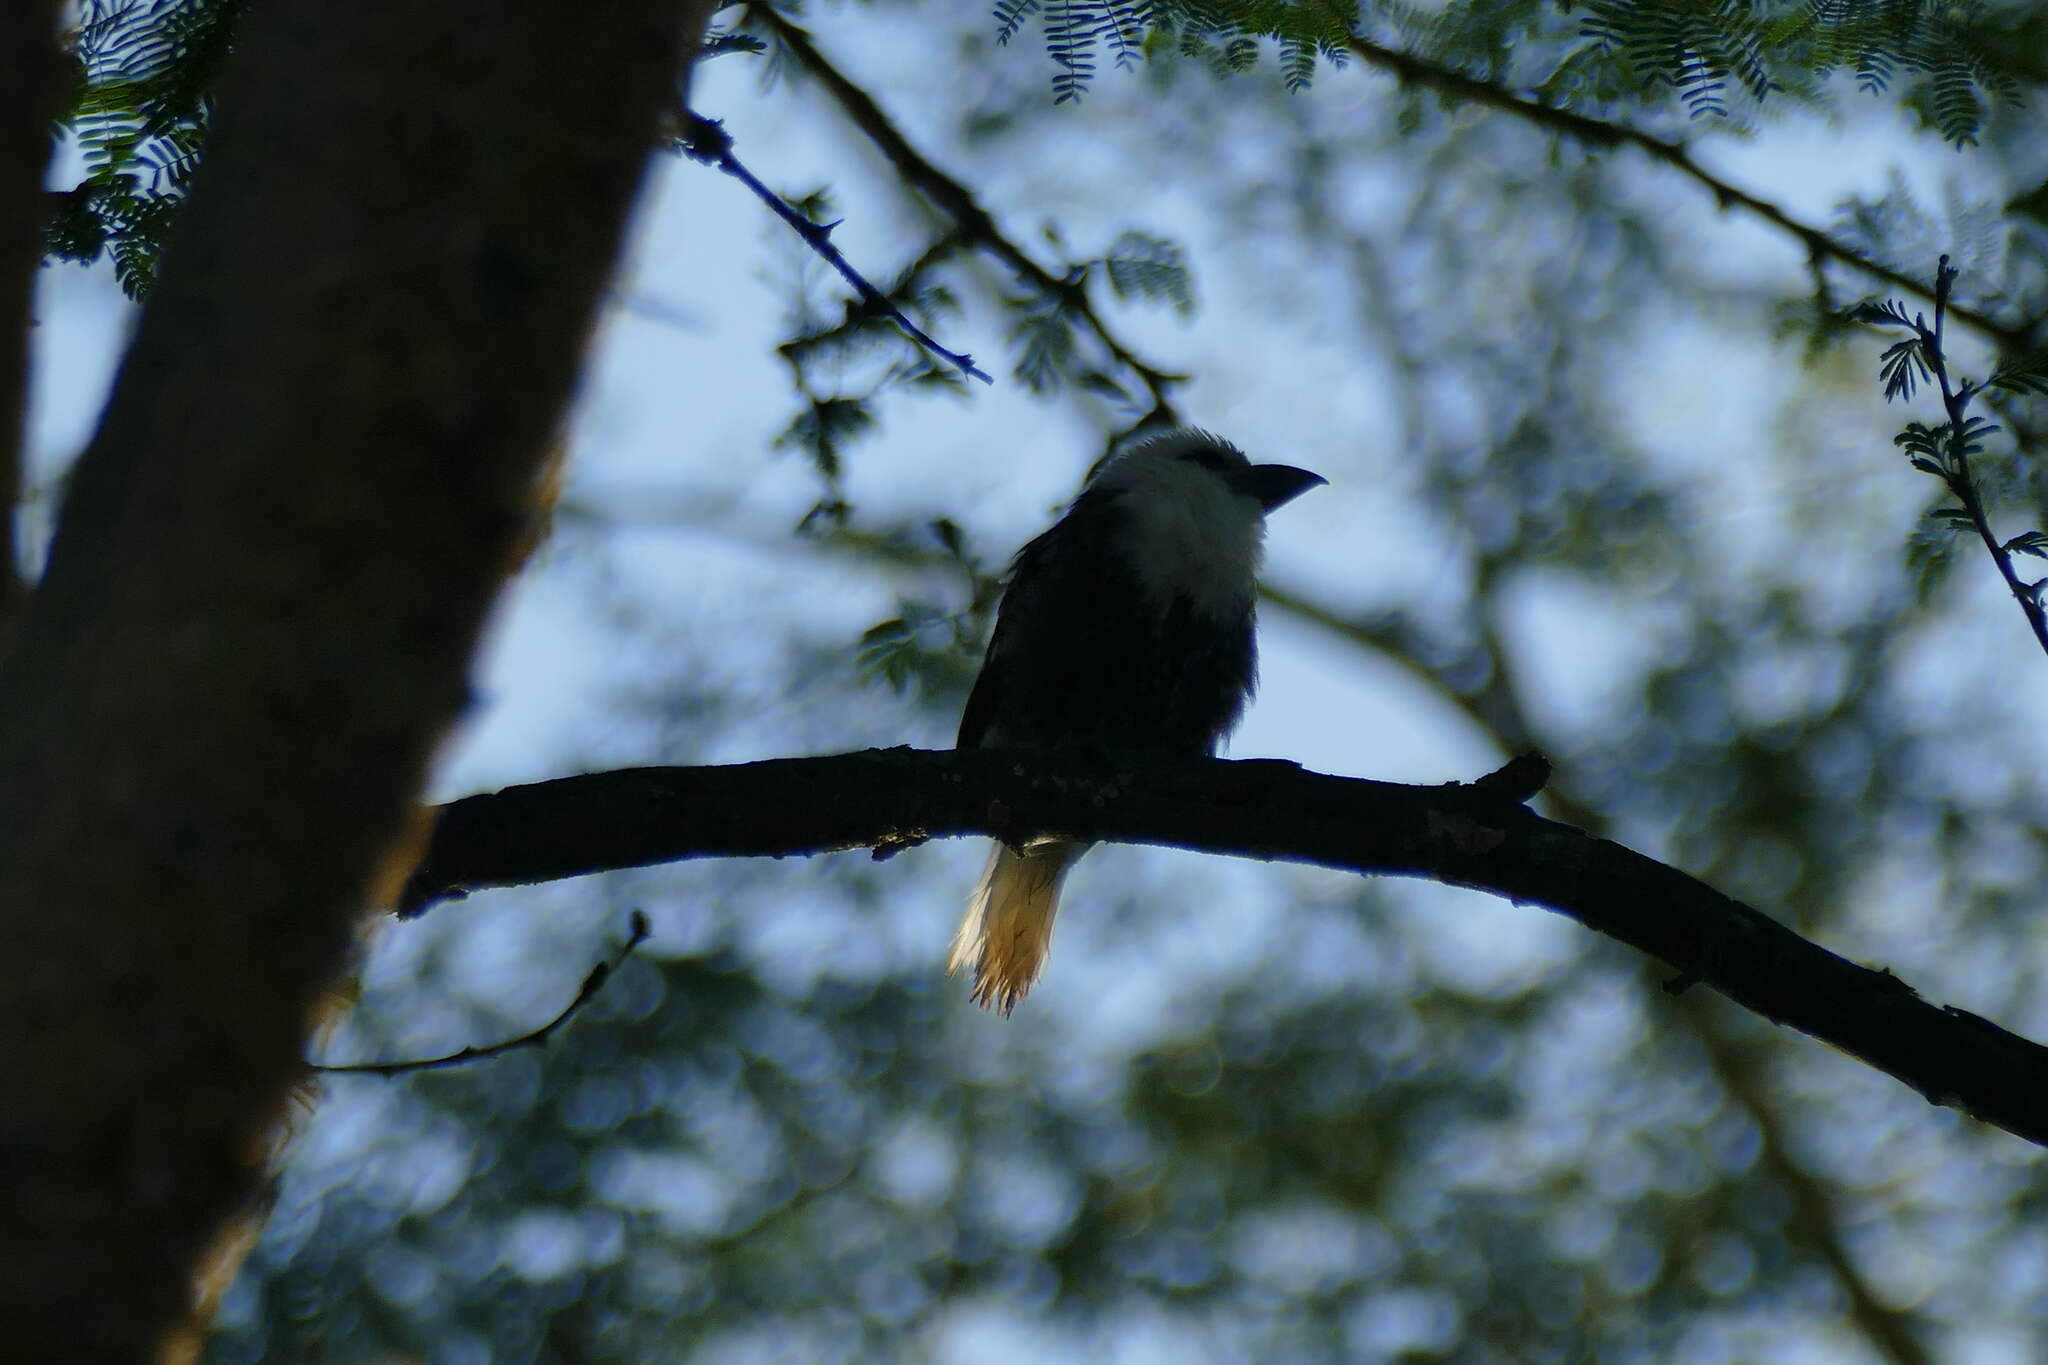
point(1460, 835)
point(705, 140)
point(972, 223)
point(1600, 133)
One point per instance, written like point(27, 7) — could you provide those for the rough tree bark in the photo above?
point(267, 581)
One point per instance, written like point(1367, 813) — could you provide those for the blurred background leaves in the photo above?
point(1612, 477)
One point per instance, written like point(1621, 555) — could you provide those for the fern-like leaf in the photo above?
point(1045, 346)
point(822, 430)
point(1923, 447)
point(140, 115)
point(1882, 313)
point(1141, 267)
point(2028, 375)
point(1010, 16)
point(1070, 29)
point(1903, 367)
point(1227, 34)
point(1700, 49)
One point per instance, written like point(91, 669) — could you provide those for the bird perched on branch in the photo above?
point(1128, 625)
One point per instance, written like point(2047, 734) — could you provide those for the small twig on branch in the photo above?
point(592, 984)
point(705, 140)
point(1519, 779)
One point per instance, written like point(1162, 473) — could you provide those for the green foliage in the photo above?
point(1949, 58)
point(1948, 62)
point(1692, 46)
point(1047, 330)
point(722, 42)
point(1075, 30)
point(1930, 555)
point(1226, 35)
point(1043, 336)
point(1898, 228)
point(840, 367)
point(1230, 36)
point(926, 646)
point(1142, 267)
point(1945, 451)
point(144, 73)
point(823, 429)
point(2028, 374)
point(892, 650)
point(1951, 51)
point(706, 1166)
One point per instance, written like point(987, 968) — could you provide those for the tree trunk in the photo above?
point(30, 82)
point(276, 556)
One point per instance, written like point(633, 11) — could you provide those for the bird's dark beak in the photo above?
point(1275, 485)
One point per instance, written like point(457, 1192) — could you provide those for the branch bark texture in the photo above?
point(1474, 836)
point(268, 577)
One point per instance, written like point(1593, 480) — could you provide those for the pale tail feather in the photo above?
point(1007, 931)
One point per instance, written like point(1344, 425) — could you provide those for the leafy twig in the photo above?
point(705, 140)
point(978, 228)
point(972, 223)
point(1945, 452)
point(592, 984)
point(1415, 70)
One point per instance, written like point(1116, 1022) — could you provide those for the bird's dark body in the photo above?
point(1082, 655)
point(1128, 625)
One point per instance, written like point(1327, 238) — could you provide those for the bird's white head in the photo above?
point(1197, 511)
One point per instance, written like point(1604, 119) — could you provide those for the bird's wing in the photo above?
point(1056, 589)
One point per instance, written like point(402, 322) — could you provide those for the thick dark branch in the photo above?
point(1460, 835)
point(1599, 133)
